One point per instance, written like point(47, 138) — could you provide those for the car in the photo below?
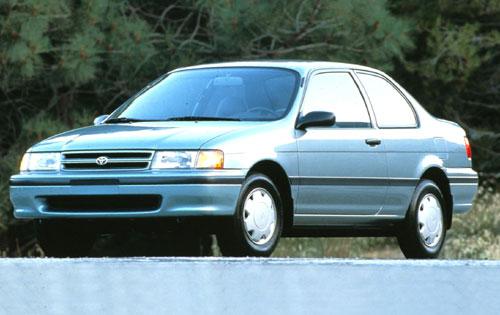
point(255, 150)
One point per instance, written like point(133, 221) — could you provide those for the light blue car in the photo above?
point(264, 150)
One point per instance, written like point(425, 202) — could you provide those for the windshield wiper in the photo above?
point(195, 118)
point(122, 120)
point(118, 120)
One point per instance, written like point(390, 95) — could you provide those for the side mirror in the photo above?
point(316, 119)
point(100, 119)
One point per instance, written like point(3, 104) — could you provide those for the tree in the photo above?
point(62, 62)
point(455, 68)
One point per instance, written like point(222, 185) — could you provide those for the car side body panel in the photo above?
point(409, 154)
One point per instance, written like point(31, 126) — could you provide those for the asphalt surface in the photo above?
point(248, 286)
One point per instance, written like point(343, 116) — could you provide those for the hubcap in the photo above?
point(259, 216)
point(430, 220)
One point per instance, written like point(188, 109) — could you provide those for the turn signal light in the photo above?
point(210, 159)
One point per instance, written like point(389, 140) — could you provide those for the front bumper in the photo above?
point(183, 192)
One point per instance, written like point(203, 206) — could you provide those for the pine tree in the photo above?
point(455, 68)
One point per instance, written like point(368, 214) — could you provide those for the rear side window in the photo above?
point(390, 107)
point(338, 93)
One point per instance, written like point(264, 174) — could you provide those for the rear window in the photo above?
point(390, 107)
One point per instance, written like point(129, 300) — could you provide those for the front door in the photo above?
point(342, 168)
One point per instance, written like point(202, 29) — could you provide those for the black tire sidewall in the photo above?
point(424, 188)
point(243, 245)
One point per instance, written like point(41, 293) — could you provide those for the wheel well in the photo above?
point(438, 176)
point(282, 182)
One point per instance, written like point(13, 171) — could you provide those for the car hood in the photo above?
point(153, 136)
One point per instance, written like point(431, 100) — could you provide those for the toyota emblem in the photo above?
point(102, 160)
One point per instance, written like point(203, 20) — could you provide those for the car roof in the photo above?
point(301, 66)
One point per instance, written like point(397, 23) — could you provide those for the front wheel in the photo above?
point(423, 232)
point(256, 226)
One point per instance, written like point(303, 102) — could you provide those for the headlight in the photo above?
point(188, 159)
point(41, 162)
point(174, 159)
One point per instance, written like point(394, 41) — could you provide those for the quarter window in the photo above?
point(390, 107)
point(338, 93)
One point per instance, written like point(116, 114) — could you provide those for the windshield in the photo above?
point(254, 94)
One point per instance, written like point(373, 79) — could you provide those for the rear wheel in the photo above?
point(423, 232)
point(64, 238)
point(256, 226)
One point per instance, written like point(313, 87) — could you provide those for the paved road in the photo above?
point(247, 286)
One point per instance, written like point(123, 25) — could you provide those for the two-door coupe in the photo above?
point(264, 149)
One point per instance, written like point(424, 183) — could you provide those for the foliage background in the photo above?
point(64, 62)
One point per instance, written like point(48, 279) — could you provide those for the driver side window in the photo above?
point(338, 93)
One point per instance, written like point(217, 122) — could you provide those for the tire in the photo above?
point(64, 238)
point(423, 233)
point(256, 227)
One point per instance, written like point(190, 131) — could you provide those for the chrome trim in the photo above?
point(108, 151)
point(111, 160)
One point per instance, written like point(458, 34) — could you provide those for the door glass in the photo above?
point(390, 107)
point(338, 93)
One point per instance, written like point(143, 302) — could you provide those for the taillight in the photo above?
point(468, 150)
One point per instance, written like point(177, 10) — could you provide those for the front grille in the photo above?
point(102, 203)
point(110, 160)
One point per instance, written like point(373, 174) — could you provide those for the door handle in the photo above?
point(373, 142)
